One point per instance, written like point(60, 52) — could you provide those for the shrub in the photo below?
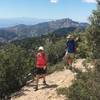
point(86, 87)
point(14, 67)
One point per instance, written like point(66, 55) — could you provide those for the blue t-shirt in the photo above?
point(71, 46)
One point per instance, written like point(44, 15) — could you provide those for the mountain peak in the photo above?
point(24, 31)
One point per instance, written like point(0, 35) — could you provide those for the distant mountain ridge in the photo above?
point(23, 31)
point(9, 22)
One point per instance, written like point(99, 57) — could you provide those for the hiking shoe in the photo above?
point(44, 83)
point(70, 67)
point(36, 88)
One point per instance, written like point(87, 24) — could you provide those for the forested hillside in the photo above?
point(21, 31)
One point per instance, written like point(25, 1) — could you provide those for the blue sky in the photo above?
point(78, 10)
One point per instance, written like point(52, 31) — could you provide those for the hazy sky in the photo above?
point(78, 10)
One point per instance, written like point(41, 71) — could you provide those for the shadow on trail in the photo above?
point(50, 86)
point(20, 93)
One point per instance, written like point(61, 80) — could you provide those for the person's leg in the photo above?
point(66, 58)
point(37, 78)
point(70, 61)
point(44, 80)
point(37, 81)
point(44, 76)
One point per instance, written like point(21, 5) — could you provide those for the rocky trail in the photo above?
point(55, 80)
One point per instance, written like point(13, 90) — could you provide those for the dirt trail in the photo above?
point(56, 80)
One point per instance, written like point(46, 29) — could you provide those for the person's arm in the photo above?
point(76, 39)
point(46, 61)
point(66, 46)
point(35, 60)
point(64, 55)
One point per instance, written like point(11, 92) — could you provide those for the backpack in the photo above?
point(41, 60)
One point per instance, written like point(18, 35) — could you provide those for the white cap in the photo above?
point(40, 48)
point(70, 36)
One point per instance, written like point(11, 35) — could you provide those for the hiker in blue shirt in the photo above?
point(70, 50)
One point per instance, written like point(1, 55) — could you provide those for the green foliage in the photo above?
point(55, 51)
point(30, 43)
point(64, 31)
point(7, 35)
point(17, 59)
point(15, 64)
point(56, 67)
point(94, 33)
point(83, 49)
point(87, 85)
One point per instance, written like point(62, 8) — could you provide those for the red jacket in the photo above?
point(41, 60)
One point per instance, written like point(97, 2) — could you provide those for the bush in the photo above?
point(14, 67)
point(55, 51)
point(56, 67)
point(86, 87)
point(82, 46)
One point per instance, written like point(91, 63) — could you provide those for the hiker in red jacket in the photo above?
point(41, 66)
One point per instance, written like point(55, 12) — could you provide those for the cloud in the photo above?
point(54, 1)
point(89, 1)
